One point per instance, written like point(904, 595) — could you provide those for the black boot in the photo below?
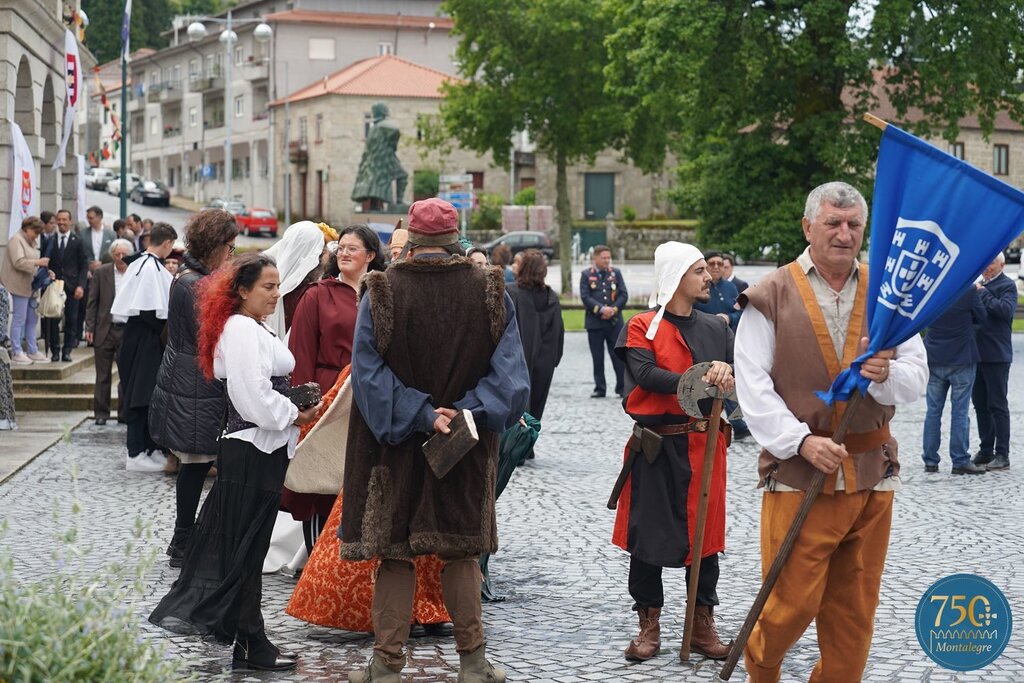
point(258, 653)
point(179, 541)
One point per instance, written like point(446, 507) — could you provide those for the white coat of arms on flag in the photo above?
point(918, 260)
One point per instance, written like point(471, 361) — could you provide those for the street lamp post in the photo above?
point(262, 33)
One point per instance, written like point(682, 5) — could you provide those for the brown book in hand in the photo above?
point(444, 451)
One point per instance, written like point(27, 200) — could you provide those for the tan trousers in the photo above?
point(393, 595)
point(833, 576)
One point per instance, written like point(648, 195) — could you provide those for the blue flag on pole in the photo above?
point(936, 223)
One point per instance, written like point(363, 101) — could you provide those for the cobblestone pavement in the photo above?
point(567, 617)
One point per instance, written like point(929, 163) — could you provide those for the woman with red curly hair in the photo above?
point(219, 590)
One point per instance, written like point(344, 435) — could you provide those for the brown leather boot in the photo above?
point(705, 640)
point(648, 643)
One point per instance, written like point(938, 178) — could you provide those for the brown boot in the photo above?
point(648, 643)
point(705, 640)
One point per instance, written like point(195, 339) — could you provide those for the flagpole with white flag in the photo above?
point(73, 93)
point(125, 35)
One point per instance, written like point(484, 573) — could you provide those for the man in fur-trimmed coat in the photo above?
point(435, 335)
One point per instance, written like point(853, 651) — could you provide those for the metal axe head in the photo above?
point(692, 389)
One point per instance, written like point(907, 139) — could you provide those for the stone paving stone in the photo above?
point(567, 617)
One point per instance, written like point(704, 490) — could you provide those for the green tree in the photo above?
point(762, 100)
point(150, 18)
point(534, 65)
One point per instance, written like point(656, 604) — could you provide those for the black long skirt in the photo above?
point(218, 592)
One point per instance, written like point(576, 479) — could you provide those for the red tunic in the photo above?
point(321, 333)
point(672, 353)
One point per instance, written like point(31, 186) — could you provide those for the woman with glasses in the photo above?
point(321, 341)
point(186, 409)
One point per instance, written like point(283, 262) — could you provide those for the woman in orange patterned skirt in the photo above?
point(338, 593)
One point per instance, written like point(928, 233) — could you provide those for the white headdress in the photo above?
point(297, 253)
point(671, 261)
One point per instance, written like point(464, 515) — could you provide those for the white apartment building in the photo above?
point(179, 113)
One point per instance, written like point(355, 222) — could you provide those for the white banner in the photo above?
point(24, 183)
point(80, 188)
point(74, 83)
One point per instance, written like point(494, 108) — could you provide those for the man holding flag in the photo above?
point(834, 573)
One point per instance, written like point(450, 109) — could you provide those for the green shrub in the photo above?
point(525, 197)
point(425, 184)
point(72, 626)
point(628, 213)
point(487, 215)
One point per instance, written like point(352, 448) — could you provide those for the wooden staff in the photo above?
point(697, 550)
point(779, 563)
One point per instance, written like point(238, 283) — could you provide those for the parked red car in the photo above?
point(257, 222)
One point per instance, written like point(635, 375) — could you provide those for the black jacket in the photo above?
point(186, 411)
point(71, 266)
point(999, 297)
point(950, 339)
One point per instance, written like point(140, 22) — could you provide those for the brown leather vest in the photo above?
point(805, 361)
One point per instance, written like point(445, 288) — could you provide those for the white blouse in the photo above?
point(248, 355)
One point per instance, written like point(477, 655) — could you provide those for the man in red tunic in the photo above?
point(657, 510)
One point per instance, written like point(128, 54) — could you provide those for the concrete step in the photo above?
point(81, 359)
point(79, 383)
point(57, 402)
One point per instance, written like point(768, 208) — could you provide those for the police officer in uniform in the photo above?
point(604, 295)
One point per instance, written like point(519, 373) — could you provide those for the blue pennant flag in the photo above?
point(936, 223)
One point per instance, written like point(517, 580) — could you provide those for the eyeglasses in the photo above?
point(715, 264)
point(350, 250)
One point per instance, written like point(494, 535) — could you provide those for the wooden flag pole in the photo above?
point(697, 549)
point(779, 563)
point(876, 122)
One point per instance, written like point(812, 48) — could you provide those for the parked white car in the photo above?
point(97, 178)
point(114, 186)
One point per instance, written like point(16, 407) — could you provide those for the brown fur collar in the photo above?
point(381, 302)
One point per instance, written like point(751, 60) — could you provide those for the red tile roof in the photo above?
point(360, 19)
point(385, 76)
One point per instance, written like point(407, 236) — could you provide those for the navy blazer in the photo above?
point(951, 338)
point(723, 297)
point(602, 288)
point(999, 297)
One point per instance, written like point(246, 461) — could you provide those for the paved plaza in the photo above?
point(567, 617)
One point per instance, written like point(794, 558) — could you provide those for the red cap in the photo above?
point(433, 223)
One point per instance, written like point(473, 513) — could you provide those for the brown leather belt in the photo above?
point(685, 428)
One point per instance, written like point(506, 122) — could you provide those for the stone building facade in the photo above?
point(32, 93)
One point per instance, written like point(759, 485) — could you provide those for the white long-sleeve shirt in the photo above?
point(770, 421)
point(247, 356)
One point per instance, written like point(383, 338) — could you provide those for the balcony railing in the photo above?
point(298, 151)
point(255, 71)
point(206, 83)
point(172, 131)
point(215, 123)
point(170, 92)
point(261, 115)
point(153, 92)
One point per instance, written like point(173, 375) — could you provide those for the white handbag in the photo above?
point(51, 303)
point(319, 462)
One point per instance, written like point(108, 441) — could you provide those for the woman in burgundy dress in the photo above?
point(321, 341)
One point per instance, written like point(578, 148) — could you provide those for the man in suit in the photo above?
point(69, 263)
point(603, 293)
point(97, 239)
point(995, 352)
point(102, 332)
point(727, 274)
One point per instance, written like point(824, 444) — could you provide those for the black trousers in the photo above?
point(647, 590)
point(51, 334)
point(139, 440)
point(599, 339)
point(991, 408)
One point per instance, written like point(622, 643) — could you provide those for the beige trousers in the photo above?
point(393, 595)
